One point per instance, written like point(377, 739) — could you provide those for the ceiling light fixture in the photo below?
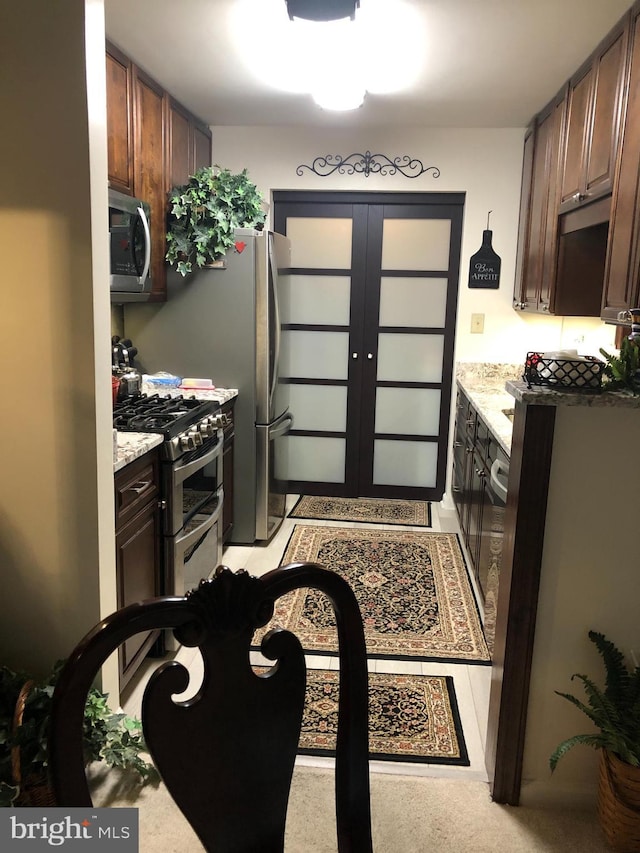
point(322, 10)
point(337, 61)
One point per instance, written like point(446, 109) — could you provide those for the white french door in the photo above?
point(368, 319)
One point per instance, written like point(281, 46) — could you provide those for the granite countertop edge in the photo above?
point(133, 445)
point(543, 396)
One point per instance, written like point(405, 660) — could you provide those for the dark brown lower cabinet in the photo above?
point(138, 558)
point(480, 508)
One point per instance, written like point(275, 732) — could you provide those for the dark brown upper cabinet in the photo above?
point(189, 145)
point(538, 227)
point(594, 110)
point(149, 171)
point(577, 250)
point(120, 119)
point(153, 143)
point(622, 269)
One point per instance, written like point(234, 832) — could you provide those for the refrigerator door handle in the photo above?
point(281, 426)
point(276, 323)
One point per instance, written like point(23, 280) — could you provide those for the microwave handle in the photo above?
point(147, 245)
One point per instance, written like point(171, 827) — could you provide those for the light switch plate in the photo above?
point(477, 324)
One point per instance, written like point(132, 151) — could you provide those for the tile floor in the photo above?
point(471, 682)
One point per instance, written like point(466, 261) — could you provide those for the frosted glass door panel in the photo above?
point(311, 458)
point(319, 407)
point(410, 358)
point(412, 411)
point(314, 355)
point(316, 300)
point(319, 242)
point(415, 244)
point(405, 463)
point(413, 302)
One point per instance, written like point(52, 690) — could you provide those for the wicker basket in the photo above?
point(34, 790)
point(619, 803)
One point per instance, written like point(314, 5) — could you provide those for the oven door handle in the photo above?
point(181, 472)
point(497, 469)
point(187, 539)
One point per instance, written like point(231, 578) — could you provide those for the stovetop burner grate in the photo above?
point(168, 416)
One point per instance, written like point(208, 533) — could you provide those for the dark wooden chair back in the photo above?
point(227, 754)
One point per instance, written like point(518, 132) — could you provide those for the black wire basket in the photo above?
point(564, 374)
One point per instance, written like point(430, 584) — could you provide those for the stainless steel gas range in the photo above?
point(192, 487)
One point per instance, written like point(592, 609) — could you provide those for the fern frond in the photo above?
point(616, 673)
point(589, 740)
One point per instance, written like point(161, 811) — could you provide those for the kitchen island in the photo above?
point(569, 565)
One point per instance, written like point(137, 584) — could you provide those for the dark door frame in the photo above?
point(451, 207)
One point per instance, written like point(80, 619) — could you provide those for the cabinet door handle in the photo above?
point(140, 487)
point(470, 422)
point(457, 444)
point(369, 355)
point(469, 450)
point(354, 355)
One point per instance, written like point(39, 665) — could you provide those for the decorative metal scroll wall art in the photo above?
point(484, 266)
point(367, 164)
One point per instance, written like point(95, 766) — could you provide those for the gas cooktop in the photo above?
point(183, 421)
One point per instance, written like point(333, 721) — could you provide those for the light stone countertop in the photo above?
point(484, 384)
point(221, 395)
point(133, 445)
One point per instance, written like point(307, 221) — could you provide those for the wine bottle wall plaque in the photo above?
point(484, 266)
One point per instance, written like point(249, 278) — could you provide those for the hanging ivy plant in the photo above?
point(204, 213)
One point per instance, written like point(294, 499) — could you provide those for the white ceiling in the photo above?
point(487, 63)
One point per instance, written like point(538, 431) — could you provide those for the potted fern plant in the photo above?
point(204, 214)
point(615, 711)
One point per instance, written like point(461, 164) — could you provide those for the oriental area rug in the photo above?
point(411, 718)
point(412, 587)
point(367, 510)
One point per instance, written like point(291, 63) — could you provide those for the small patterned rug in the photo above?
point(371, 510)
point(411, 718)
point(413, 590)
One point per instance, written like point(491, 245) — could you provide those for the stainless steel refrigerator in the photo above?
point(224, 324)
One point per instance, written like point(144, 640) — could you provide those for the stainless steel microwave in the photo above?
point(129, 248)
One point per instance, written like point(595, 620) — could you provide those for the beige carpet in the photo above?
point(409, 815)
